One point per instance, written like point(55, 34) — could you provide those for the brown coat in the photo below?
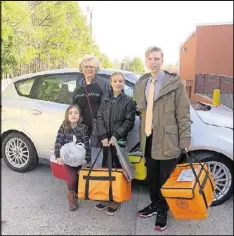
point(171, 117)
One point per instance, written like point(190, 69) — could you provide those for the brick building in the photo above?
point(206, 61)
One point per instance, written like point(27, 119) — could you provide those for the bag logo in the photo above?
point(182, 204)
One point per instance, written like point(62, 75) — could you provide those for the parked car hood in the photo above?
point(218, 116)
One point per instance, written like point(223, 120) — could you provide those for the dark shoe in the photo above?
point(102, 206)
point(148, 211)
point(72, 200)
point(113, 208)
point(161, 220)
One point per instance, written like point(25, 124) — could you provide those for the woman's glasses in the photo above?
point(89, 67)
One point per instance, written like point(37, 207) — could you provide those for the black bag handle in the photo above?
point(88, 177)
point(202, 166)
point(201, 186)
point(190, 163)
point(197, 179)
point(109, 171)
point(91, 168)
point(110, 161)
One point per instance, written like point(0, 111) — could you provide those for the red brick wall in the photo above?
point(187, 59)
point(214, 50)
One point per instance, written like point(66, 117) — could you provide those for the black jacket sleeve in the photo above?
point(129, 120)
point(59, 142)
point(102, 130)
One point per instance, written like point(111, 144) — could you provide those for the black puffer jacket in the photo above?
point(116, 116)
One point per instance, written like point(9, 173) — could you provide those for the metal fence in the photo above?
point(206, 83)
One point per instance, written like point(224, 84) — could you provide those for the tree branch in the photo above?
point(47, 18)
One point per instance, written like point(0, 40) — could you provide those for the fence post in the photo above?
point(204, 81)
point(216, 97)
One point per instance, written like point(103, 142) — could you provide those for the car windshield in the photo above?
point(132, 76)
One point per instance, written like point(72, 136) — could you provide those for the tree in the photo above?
point(125, 65)
point(16, 31)
point(41, 35)
point(136, 65)
point(104, 61)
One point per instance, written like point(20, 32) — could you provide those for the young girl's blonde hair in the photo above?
point(66, 123)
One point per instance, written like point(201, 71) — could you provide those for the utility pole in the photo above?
point(89, 10)
point(91, 23)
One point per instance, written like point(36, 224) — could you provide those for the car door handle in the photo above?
point(34, 112)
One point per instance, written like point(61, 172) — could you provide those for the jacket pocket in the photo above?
point(171, 141)
point(169, 102)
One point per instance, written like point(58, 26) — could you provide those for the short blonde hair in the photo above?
point(89, 58)
point(117, 73)
point(153, 49)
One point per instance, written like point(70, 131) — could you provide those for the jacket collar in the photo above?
point(170, 83)
point(77, 128)
point(110, 95)
point(83, 81)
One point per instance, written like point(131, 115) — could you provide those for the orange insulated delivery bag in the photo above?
point(103, 184)
point(189, 190)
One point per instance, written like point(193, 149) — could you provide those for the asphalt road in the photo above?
point(35, 203)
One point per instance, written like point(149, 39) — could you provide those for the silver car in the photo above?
point(33, 108)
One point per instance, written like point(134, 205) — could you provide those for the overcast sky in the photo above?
point(127, 28)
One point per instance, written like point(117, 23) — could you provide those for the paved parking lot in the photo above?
point(35, 203)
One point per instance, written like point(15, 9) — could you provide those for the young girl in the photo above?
point(116, 117)
point(72, 126)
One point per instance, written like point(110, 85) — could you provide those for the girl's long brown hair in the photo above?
point(66, 123)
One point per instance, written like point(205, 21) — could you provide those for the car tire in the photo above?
point(25, 159)
point(225, 167)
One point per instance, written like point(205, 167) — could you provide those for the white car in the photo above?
point(33, 108)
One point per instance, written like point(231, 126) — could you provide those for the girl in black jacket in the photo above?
point(115, 117)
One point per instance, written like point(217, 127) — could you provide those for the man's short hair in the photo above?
point(153, 49)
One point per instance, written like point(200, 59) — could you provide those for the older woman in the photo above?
point(88, 94)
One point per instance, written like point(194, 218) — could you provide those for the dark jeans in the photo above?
point(72, 181)
point(157, 173)
point(107, 151)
